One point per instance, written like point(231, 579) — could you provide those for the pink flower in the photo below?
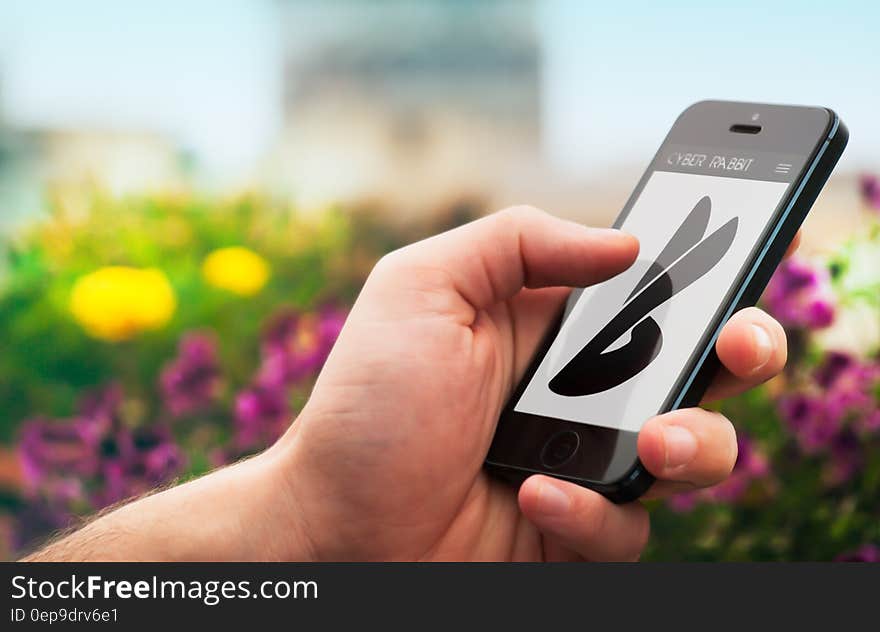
point(834, 364)
point(869, 423)
point(750, 466)
point(849, 391)
point(94, 456)
point(262, 413)
point(808, 417)
point(845, 460)
point(870, 186)
point(866, 553)
point(800, 296)
point(296, 345)
point(292, 349)
point(135, 462)
point(192, 381)
point(683, 502)
point(54, 451)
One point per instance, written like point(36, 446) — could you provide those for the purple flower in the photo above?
point(866, 553)
point(830, 415)
point(296, 345)
point(89, 461)
point(95, 457)
point(834, 364)
point(291, 349)
point(800, 296)
point(55, 454)
point(192, 381)
point(61, 457)
point(98, 411)
point(683, 502)
point(331, 320)
point(261, 415)
point(136, 461)
point(807, 416)
point(849, 389)
point(870, 186)
point(846, 459)
point(750, 460)
point(870, 423)
point(750, 466)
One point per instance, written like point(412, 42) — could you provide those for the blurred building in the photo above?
point(412, 102)
point(18, 190)
point(44, 159)
point(36, 161)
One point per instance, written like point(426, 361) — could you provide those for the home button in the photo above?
point(559, 449)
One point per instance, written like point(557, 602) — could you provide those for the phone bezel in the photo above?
point(805, 131)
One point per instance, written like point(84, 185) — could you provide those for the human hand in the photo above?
point(385, 461)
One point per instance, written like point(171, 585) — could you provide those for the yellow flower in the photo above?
point(236, 269)
point(118, 302)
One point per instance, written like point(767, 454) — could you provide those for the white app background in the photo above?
point(665, 202)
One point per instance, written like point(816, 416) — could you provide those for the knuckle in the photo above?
point(389, 262)
point(716, 437)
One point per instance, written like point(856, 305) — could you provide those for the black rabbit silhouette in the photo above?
point(681, 262)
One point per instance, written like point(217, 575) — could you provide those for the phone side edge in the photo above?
point(633, 484)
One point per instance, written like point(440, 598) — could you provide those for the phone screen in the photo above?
point(623, 344)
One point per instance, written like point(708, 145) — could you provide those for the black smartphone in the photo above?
point(714, 213)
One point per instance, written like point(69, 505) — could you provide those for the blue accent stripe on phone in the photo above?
point(758, 261)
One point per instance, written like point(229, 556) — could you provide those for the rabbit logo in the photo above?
point(687, 257)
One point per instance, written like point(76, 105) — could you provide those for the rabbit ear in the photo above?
point(593, 369)
point(688, 234)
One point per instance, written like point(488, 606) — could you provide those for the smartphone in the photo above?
point(714, 213)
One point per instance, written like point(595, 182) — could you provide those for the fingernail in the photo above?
point(763, 347)
point(681, 446)
point(552, 500)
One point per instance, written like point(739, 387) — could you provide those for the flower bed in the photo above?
point(148, 340)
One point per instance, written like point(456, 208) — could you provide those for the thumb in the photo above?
point(491, 259)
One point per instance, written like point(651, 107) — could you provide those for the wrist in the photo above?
point(278, 528)
point(243, 512)
point(302, 500)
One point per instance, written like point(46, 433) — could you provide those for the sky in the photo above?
point(208, 73)
point(618, 73)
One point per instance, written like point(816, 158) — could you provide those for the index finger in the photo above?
point(492, 259)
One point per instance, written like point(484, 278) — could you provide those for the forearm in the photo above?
point(230, 514)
